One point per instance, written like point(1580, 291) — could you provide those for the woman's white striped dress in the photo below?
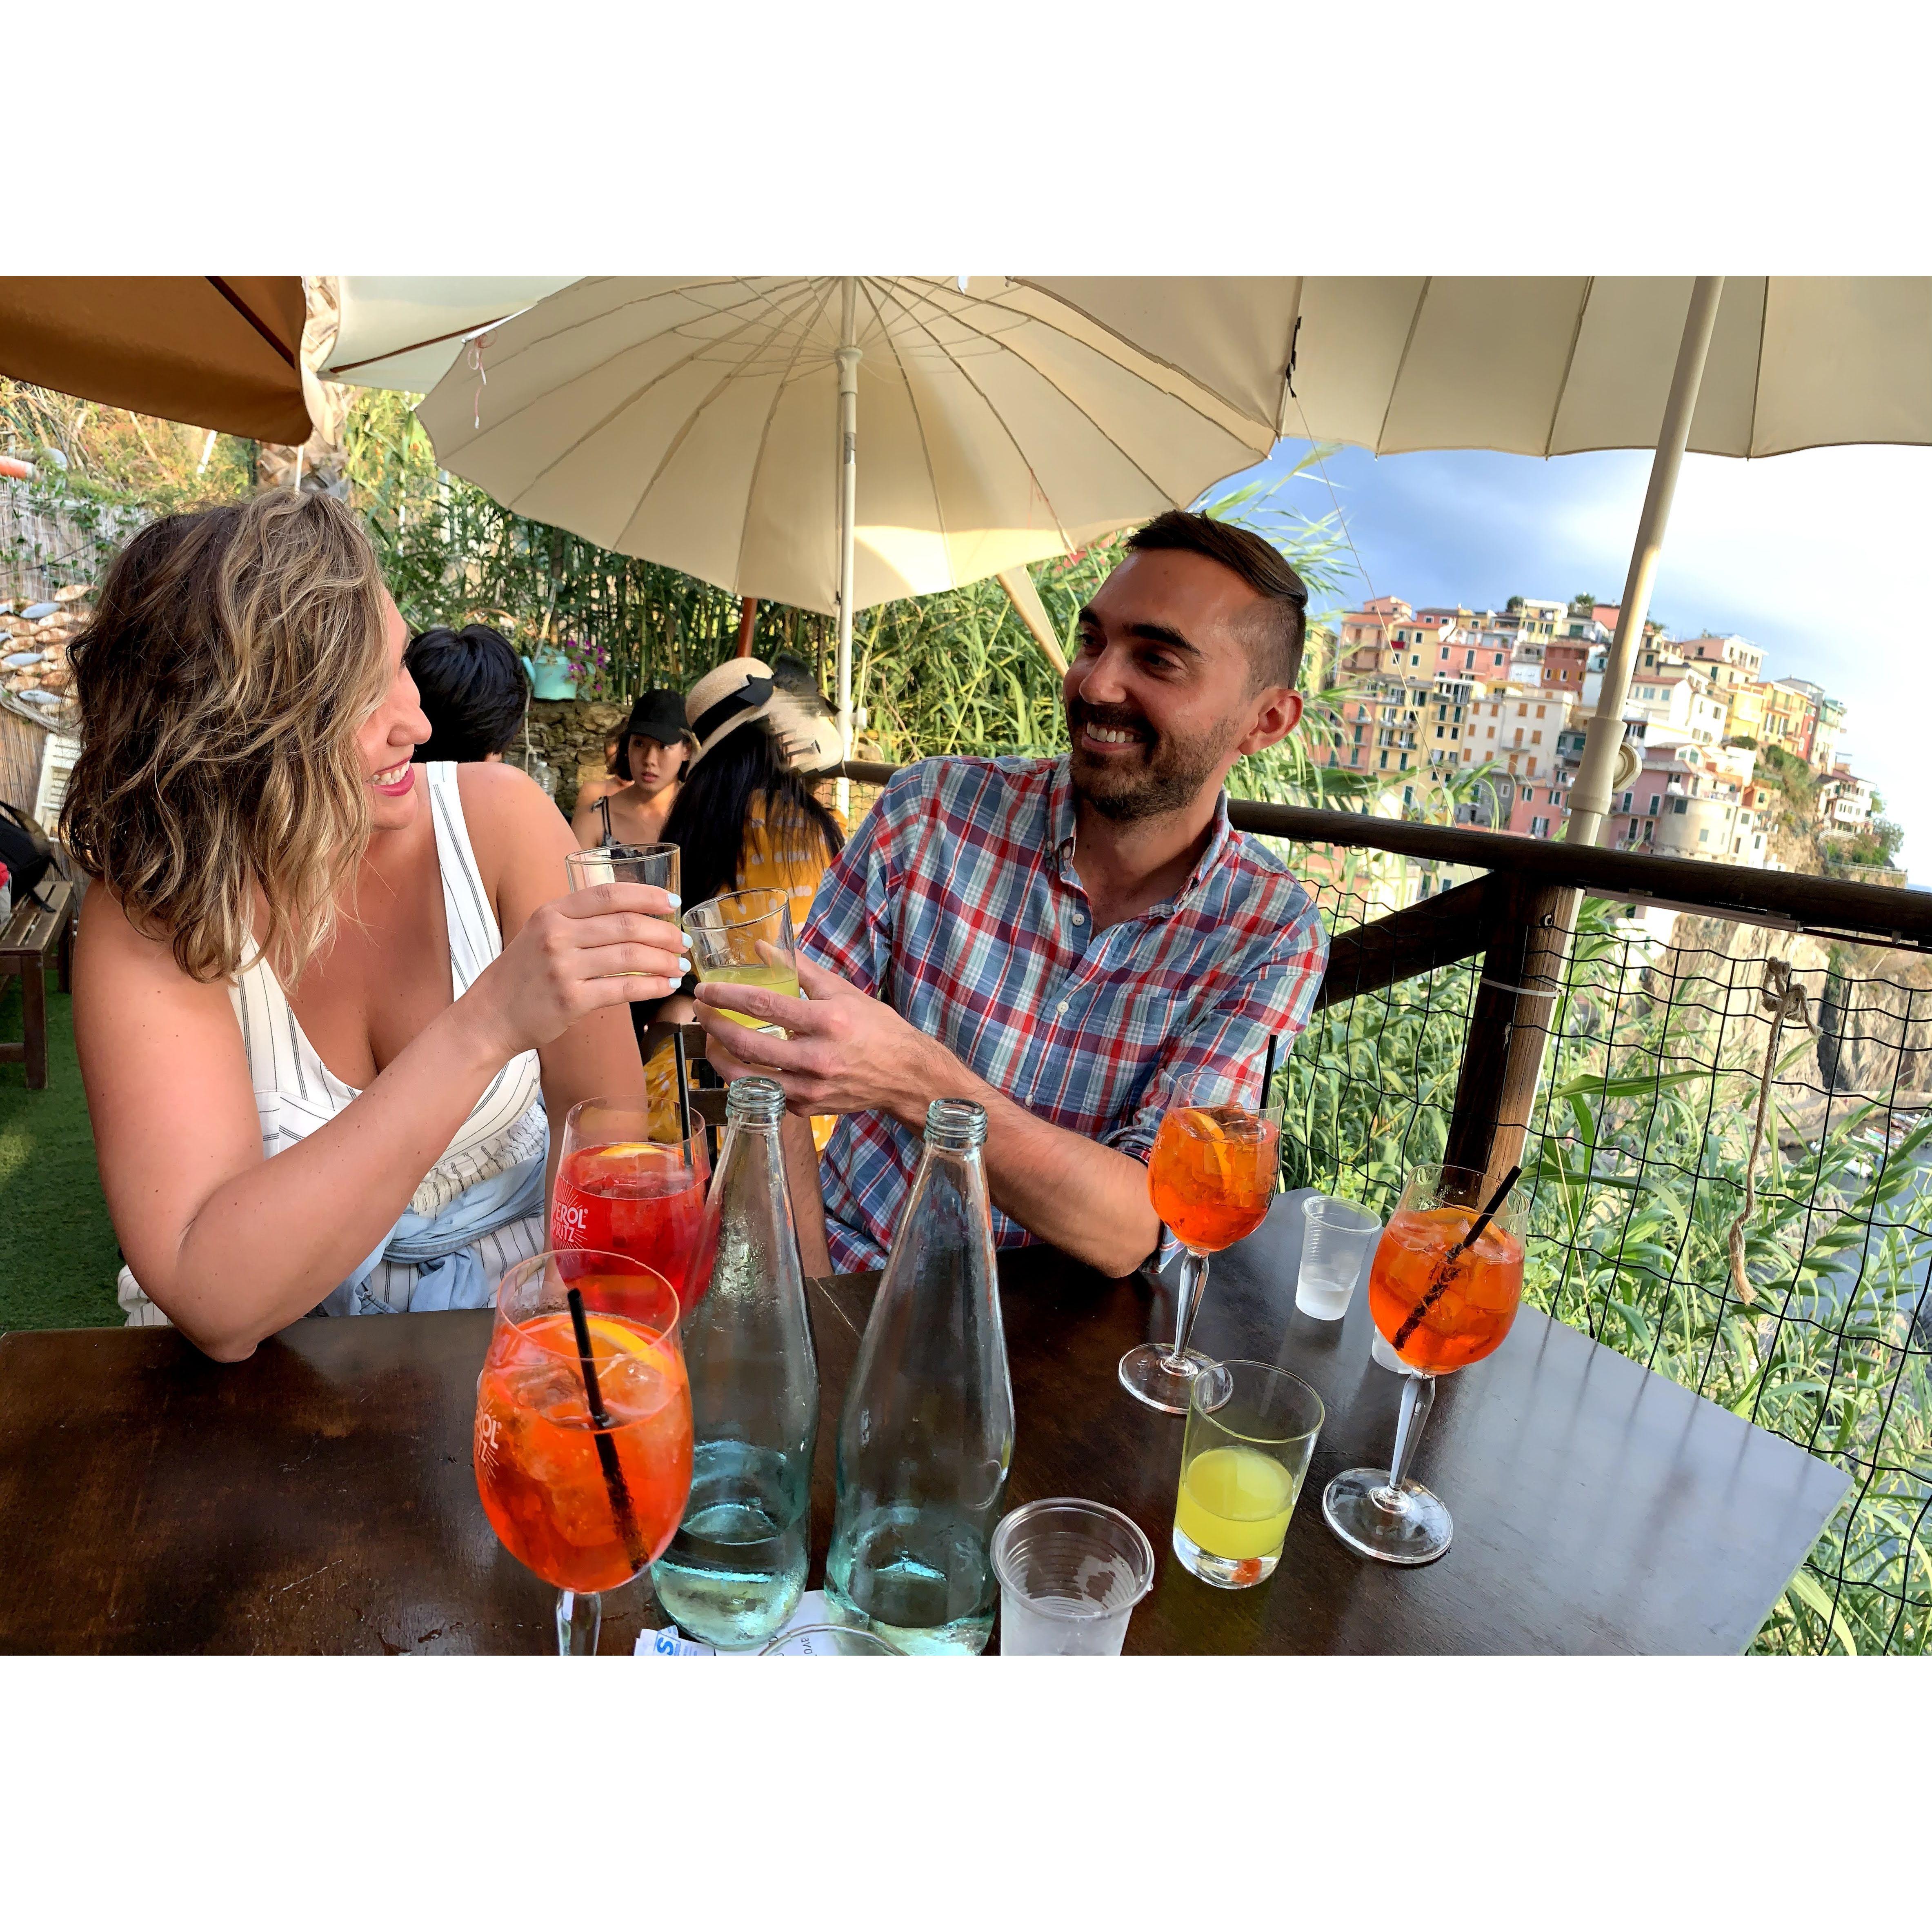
point(295, 1094)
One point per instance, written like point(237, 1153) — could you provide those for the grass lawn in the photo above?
point(58, 1256)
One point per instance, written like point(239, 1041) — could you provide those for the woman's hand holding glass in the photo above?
point(588, 949)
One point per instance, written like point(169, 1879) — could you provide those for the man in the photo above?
point(1077, 944)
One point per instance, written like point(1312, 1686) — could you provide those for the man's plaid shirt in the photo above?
point(959, 904)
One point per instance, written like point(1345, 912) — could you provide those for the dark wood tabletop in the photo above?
point(319, 1497)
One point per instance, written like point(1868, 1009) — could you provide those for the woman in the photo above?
point(651, 757)
point(473, 690)
point(745, 816)
point(319, 986)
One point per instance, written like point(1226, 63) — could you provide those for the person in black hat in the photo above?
point(651, 758)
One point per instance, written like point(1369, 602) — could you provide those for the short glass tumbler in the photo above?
point(1251, 1431)
point(1337, 1238)
point(1070, 1573)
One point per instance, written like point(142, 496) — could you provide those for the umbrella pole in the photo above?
point(848, 509)
point(1590, 796)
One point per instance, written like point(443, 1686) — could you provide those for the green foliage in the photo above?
point(1633, 1172)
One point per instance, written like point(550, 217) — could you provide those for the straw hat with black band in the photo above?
point(740, 691)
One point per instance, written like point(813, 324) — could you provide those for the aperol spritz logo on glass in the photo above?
point(488, 1430)
point(569, 1220)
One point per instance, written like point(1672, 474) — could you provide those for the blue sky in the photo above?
point(1819, 556)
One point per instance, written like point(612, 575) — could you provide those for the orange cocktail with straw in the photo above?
point(583, 1439)
point(1443, 1289)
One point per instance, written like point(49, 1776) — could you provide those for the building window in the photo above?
point(1654, 802)
point(1539, 828)
point(1523, 711)
point(1704, 837)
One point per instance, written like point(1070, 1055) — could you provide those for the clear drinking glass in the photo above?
point(1251, 1431)
point(1336, 1238)
point(624, 866)
point(1070, 1573)
point(1211, 1176)
point(746, 938)
point(625, 1188)
point(583, 1438)
point(1440, 1306)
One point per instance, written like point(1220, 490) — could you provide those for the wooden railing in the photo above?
point(1518, 917)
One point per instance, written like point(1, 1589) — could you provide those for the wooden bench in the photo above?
point(34, 933)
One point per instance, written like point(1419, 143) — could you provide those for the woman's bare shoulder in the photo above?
point(513, 826)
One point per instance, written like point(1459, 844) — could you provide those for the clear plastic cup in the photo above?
point(1070, 1573)
point(1336, 1237)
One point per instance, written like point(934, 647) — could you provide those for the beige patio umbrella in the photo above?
point(713, 424)
point(1547, 365)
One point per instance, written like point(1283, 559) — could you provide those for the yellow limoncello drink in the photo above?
point(781, 979)
point(1234, 1504)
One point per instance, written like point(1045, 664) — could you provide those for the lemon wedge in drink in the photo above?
point(1202, 1125)
point(615, 1335)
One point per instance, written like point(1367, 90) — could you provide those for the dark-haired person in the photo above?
point(746, 816)
point(473, 690)
point(1074, 943)
point(651, 755)
point(325, 998)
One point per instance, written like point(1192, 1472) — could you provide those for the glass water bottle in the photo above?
point(734, 1571)
point(926, 1437)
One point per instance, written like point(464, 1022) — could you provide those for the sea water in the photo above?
point(735, 1570)
point(918, 1577)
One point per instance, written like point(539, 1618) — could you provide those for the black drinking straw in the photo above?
point(1267, 1080)
point(607, 1449)
point(1449, 1260)
point(683, 1098)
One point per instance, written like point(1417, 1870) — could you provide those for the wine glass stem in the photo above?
point(1186, 1306)
point(1418, 1397)
point(580, 1617)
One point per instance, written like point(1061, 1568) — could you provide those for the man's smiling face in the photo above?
point(1161, 695)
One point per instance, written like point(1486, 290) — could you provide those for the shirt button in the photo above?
point(1062, 1007)
point(1079, 918)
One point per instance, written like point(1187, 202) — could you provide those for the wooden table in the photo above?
point(319, 1496)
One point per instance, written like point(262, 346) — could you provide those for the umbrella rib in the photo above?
point(618, 409)
point(1569, 362)
point(1099, 429)
point(765, 432)
point(1408, 342)
point(912, 400)
point(697, 409)
point(1757, 384)
point(225, 290)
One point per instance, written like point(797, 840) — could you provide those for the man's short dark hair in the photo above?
point(1278, 634)
point(472, 689)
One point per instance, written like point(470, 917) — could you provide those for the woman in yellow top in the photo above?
point(746, 816)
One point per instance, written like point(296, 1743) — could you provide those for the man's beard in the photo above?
point(1167, 777)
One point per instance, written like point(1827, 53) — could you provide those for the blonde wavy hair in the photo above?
point(234, 653)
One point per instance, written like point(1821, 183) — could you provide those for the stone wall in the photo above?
point(568, 734)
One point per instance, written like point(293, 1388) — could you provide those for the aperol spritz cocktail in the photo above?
point(1440, 1305)
point(623, 1190)
point(584, 1473)
point(1210, 1177)
point(1439, 1316)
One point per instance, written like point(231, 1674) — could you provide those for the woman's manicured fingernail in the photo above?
point(674, 899)
point(684, 966)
